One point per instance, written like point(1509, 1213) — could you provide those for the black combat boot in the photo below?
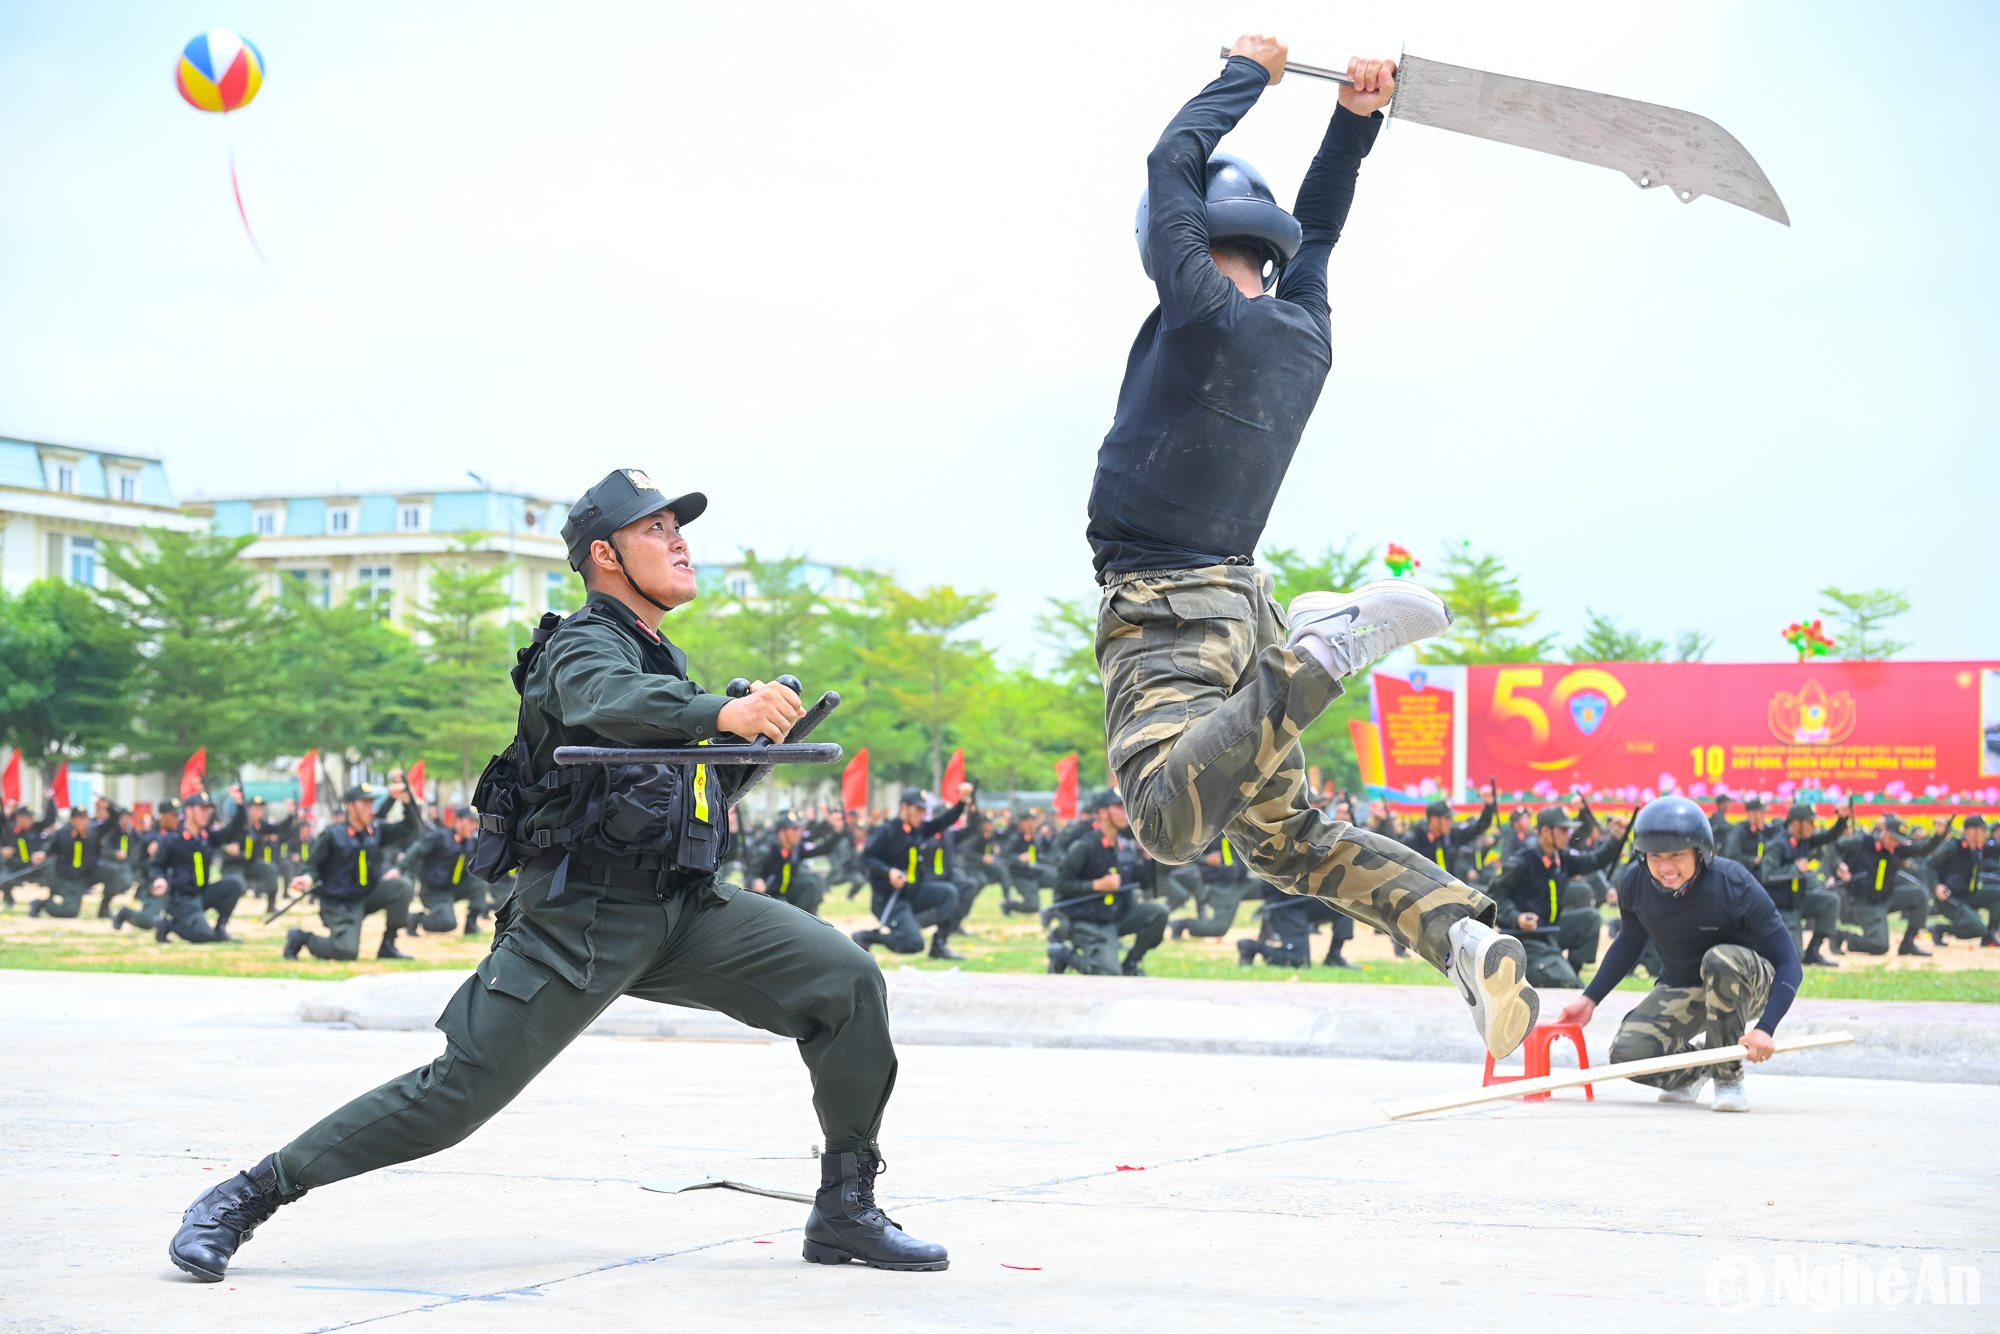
point(940, 950)
point(1335, 959)
point(162, 927)
point(1131, 967)
point(1246, 952)
point(1061, 957)
point(1815, 955)
point(868, 938)
point(295, 940)
point(224, 1218)
point(845, 1224)
point(35, 908)
point(1910, 945)
point(389, 950)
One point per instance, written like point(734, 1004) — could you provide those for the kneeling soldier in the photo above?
point(354, 880)
point(1097, 890)
point(72, 868)
point(1728, 963)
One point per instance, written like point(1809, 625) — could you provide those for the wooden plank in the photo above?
point(1651, 1065)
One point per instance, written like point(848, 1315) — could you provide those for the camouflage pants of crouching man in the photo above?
point(1203, 707)
point(1735, 984)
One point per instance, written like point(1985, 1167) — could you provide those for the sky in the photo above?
point(865, 274)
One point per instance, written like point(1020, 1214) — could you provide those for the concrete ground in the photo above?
point(1273, 1193)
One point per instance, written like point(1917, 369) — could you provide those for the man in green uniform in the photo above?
point(1097, 893)
point(1876, 887)
point(439, 859)
point(350, 869)
point(1560, 939)
point(149, 895)
point(1224, 882)
point(584, 928)
point(1962, 891)
point(1785, 867)
point(118, 852)
point(72, 868)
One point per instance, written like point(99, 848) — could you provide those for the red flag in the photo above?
point(1066, 788)
point(854, 782)
point(194, 773)
point(10, 781)
point(416, 781)
point(954, 777)
point(308, 780)
point(59, 790)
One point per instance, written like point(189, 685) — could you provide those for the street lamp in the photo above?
point(512, 560)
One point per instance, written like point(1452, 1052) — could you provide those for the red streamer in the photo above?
point(237, 190)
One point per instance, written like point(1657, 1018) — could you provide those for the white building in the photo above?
point(381, 545)
point(60, 504)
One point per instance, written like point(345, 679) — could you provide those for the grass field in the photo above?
point(1959, 972)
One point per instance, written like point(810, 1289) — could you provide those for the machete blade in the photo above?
point(1653, 145)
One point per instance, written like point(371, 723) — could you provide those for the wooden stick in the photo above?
point(1651, 1065)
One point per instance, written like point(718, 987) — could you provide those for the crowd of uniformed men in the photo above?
point(1102, 901)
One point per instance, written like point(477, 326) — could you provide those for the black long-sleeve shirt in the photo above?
point(1218, 386)
point(1724, 906)
point(1532, 882)
point(1958, 869)
point(1873, 868)
point(895, 846)
point(1445, 851)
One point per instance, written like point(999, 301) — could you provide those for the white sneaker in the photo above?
point(1492, 974)
point(1730, 1097)
point(1366, 625)
point(1692, 1093)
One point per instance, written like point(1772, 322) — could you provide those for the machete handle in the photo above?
point(1310, 71)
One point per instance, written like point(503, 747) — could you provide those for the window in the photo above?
point(83, 561)
point(740, 586)
point(128, 486)
point(340, 521)
point(410, 518)
point(265, 522)
point(65, 478)
point(377, 587)
point(316, 585)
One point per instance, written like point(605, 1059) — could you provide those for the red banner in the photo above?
point(10, 781)
point(194, 773)
point(308, 780)
point(1908, 731)
point(416, 781)
point(954, 777)
point(59, 789)
point(1414, 715)
point(854, 783)
point(1065, 803)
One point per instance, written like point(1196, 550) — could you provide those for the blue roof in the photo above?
point(379, 513)
point(21, 465)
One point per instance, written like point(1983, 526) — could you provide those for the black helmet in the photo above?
point(1241, 207)
point(1672, 824)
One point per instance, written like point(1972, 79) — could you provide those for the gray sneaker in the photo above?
point(1730, 1097)
point(1491, 971)
point(1368, 624)
point(1686, 1094)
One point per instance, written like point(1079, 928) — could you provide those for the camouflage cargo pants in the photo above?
point(1735, 984)
point(1203, 707)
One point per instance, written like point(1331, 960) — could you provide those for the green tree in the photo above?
point(464, 708)
point(1334, 569)
point(1692, 646)
point(67, 672)
point(1607, 641)
point(1489, 621)
point(922, 673)
point(1858, 616)
point(343, 682)
point(1069, 696)
point(204, 641)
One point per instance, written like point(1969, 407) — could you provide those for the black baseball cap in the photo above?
point(168, 806)
point(1975, 821)
point(200, 799)
point(624, 495)
point(1799, 811)
point(359, 792)
point(913, 796)
point(1106, 799)
point(1555, 817)
point(1438, 808)
point(75, 811)
point(1895, 824)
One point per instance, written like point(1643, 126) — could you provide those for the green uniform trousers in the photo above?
point(66, 897)
point(117, 877)
point(1558, 959)
point(1095, 944)
point(144, 911)
point(1203, 708)
point(1735, 985)
point(439, 900)
point(1870, 912)
point(1961, 913)
point(556, 967)
point(343, 918)
point(1216, 913)
point(1816, 910)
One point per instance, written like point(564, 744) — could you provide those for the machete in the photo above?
point(1654, 145)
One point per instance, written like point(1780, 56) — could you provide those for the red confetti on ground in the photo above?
point(208, 1169)
point(1030, 1269)
point(1123, 1168)
point(760, 1243)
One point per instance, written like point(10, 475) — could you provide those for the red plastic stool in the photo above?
point(1535, 1058)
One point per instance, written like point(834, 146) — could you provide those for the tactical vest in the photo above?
point(647, 817)
point(357, 865)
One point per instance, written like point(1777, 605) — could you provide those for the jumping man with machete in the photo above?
point(1206, 685)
